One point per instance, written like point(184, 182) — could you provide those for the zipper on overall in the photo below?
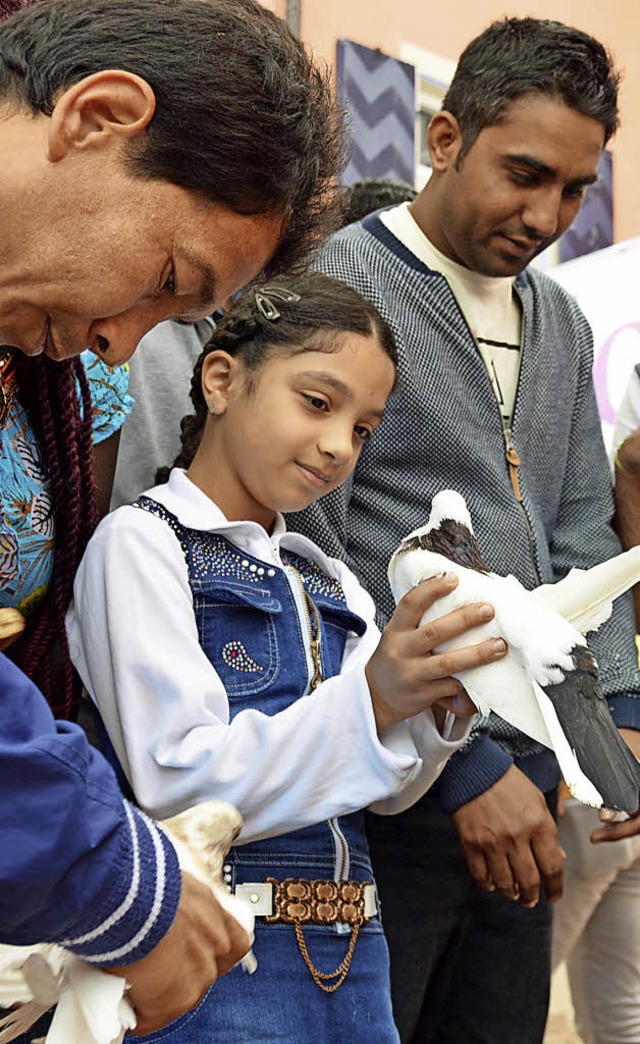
point(313, 623)
point(313, 626)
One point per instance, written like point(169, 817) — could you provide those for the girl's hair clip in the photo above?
point(264, 302)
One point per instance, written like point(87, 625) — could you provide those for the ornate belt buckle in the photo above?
point(299, 902)
point(321, 902)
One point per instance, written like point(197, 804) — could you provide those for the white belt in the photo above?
point(259, 895)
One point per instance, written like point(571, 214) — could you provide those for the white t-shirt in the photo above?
point(488, 303)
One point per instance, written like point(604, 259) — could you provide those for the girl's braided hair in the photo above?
point(62, 422)
point(297, 312)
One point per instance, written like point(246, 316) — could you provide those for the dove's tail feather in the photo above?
point(580, 786)
point(591, 733)
point(585, 596)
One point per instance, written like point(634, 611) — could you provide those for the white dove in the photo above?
point(547, 685)
point(91, 1006)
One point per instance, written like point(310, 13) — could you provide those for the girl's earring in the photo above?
point(212, 407)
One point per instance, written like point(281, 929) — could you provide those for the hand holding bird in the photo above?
point(406, 674)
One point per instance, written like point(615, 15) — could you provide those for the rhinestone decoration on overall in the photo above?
point(315, 581)
point(152, 506)
point(235, 655)
point(215, 556)
point(211, 554)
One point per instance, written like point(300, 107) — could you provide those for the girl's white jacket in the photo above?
point(133, 638)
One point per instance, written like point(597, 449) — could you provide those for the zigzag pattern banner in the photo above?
point(379, 94)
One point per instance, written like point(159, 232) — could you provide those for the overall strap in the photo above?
point(160, 511)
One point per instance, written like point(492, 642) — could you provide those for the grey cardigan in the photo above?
point(442, 429)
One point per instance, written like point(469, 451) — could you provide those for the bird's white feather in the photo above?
point(202, 836)
point(585, 596)
point(448, 504)
point(503, 686)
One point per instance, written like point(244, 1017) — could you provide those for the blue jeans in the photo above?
point(281, 1002)
point(467, 966)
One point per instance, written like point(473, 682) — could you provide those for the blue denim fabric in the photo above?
point(250, 629)
point(280, 1002)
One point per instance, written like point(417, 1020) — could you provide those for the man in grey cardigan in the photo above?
point(495, 400)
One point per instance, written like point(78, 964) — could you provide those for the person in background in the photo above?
point(363, 197)
point(123, 204)
point(159, 382)
point(626, 453)
point(496, 401)
point(596, 928)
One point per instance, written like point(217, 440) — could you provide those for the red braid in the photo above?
point(62, 422)
point(9, 7)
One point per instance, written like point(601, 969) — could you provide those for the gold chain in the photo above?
point(320, 978)
point(315, 641)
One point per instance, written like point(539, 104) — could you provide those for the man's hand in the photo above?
point(202, 944)
point(405, 675)
point(628, 454)
point(630, 827)
point(510, 840)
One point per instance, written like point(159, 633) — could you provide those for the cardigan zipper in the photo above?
point(513, 457)
point(513, 463)
point(511, 453)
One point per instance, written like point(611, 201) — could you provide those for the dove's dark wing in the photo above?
point(586, 721)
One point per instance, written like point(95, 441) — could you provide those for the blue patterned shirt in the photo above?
point(27, 526)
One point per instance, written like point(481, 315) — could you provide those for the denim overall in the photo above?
point(250, 628)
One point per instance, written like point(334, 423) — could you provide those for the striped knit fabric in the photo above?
point(442, 429)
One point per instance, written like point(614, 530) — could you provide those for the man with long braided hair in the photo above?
point(157, 156)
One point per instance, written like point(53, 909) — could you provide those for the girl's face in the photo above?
point(297, 433)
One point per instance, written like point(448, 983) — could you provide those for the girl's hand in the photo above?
point(405, 676)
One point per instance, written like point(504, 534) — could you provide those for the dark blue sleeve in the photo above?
point(78, 864)
point(472, 770)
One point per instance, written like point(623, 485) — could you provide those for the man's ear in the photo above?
point(444, 140)
point(112, 105)
point(220, 374)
